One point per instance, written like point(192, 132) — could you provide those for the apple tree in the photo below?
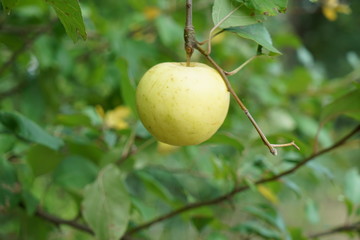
point(246, 128)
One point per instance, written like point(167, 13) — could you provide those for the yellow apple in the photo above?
point(182, 105)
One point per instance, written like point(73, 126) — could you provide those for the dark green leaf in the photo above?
point(42, 159)
point(256, 32)
point(9, 187)
point(30, 202)
point(201, 221)
point(347, 104)
point(34, 228)
point(28, 130)
point(242, 17)
point(6, 143)
point(8, 5)
point(106, 205)
point(74, 172)
point(268, 7)
point(69, 13)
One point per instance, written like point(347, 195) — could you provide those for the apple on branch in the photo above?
point(182, 105)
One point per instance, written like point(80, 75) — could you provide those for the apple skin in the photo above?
point(182, 105)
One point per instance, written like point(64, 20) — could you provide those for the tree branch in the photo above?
point(59, 221)
point(354, 227)
point(242, 188)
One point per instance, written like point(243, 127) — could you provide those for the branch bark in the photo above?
point(242, 188)
point(354, 227)
point(59, 221)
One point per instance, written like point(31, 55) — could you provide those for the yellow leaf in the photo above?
point(268, 194)
point(164, 148)
point(100, 111)
point(151, 13)
point(343, 8)
point(331, 8)
point(329, 13)
point(116, 118)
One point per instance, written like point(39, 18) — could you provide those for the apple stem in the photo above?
point(191, 43)
point(189, 33)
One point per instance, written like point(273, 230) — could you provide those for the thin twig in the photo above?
point(241, 188)
point(59, 221)
point(354, 227)
point(217, 25)
point(241, 66)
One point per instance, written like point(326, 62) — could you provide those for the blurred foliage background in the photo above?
point(82, 94)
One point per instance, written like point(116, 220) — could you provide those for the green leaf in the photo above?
point(268, 7)
point(106, 205)
point(312, 211)
point(256, 32)
point(351, 186)
point(242, 17)
point(34, 228)
point(169, 31)
point(28, 130)
point(347, 104)
point(226, 139)
point(42, 159)
point(126, 87)
point(73, 120)
point(9, 187)
point(252, 227)
point(293, 186)
point(69, 13)
point(320, 170)
point(8, 5)
point(74, 172)
point(201, 221)
point(6, 143)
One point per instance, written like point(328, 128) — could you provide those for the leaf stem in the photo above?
point(217, 25)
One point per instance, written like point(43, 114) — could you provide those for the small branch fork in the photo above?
point(191, 43)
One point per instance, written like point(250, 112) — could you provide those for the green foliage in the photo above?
point(256, 32)
point(27, 130)
point(76, 162)
point(106, 205)
point(69, 13)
